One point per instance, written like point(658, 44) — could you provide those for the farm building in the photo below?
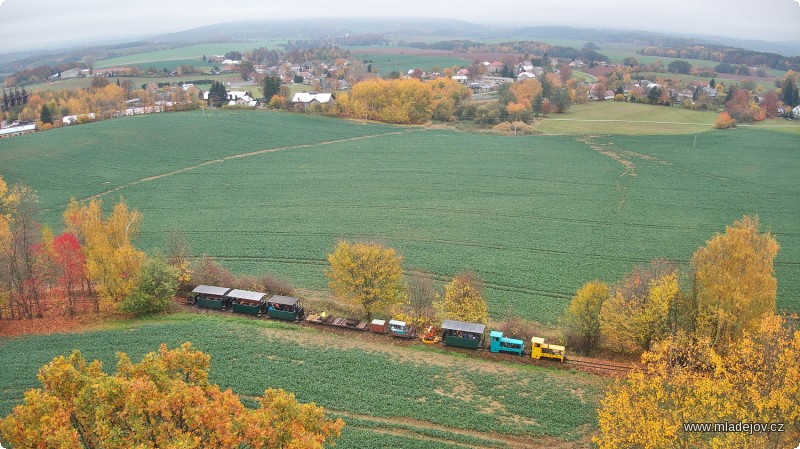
point(17, 130)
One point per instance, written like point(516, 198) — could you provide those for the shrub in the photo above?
point(154, 290)
point(724, 121)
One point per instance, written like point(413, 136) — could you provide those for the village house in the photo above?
point(311, 98)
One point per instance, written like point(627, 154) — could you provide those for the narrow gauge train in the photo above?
point(453, 333)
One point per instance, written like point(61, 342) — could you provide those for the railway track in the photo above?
point(593, 366)
point(598, 365)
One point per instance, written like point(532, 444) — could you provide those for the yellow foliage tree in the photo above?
point(463, 300)
point(682, 381)
point(638, 312)
point(526, 91)
point(582, 319)
point(165, 401)
point(112, 262)
point(367, 274)
point(735, 281)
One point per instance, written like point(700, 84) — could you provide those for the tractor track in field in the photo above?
point(237, 156)
point(402, 423)
point(628, 174)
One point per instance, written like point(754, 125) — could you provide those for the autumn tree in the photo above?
point(367, 274)
point(724, 121)
point(178, 254)
point(207, 271)
point(112, 261)
point(20, 237)
point(164, 401)
point(421, 297)
point(734, 279)
point(686, 381)
point(742, 107)
point(463, 300)
point(582, 319)
point(71, 263)
point(770, 105)
point(638, 313)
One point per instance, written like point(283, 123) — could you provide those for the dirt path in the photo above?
point(238, 156)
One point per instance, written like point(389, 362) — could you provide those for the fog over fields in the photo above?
point(33, 24)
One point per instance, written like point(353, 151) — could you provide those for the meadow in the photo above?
point(392, 394)
point(535, 217)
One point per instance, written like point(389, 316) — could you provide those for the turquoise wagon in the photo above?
point(247, 302)
point(462, 334)
point(285, 308)
point(499, 343)
point(209, 297)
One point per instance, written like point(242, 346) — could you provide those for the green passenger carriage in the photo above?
point(247, 302)
point(462, 334)
point(209, 296)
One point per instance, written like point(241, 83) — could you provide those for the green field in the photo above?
point(401, 62)
point(191, 52)
point(535, 216)
point(83, 83)
point(404, 396)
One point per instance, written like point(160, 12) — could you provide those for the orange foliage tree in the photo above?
point(165, 401)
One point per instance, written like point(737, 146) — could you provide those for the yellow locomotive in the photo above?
point(541, 349)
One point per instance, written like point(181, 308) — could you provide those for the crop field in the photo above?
point(535, 217)
point(408, 396)
point(83, 83)
point(187, 52)
point(403, 60)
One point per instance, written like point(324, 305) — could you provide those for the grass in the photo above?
point(612, 117)
point(413, 398)
point(535, 216)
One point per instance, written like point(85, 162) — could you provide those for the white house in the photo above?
point(308, 98)
point(796, 111)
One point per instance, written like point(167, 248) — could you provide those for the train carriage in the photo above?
point(285, 308)
point(462, 334)
point(209, 296)
point(247, 302)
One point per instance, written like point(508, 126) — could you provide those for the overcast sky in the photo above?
point(26, 24)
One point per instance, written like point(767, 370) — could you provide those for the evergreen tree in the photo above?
point(712, 84)
point(217, 95)
point(547, 87)
point(790, 94)
point(271, 86)
point(537, 104)
point(46, 116)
